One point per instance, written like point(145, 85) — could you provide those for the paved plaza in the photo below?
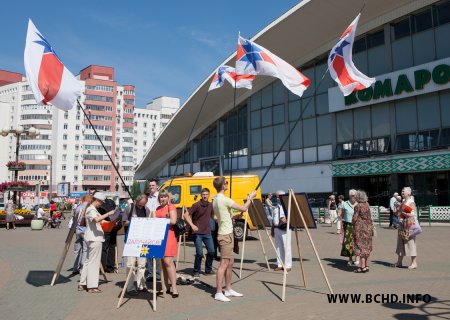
point(28, 258)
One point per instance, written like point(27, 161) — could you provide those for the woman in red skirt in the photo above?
point(168, 211)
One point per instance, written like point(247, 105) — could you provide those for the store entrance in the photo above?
point(429, 188)
point(376, 187)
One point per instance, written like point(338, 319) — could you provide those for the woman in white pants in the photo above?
point(281, 237)
point(94, 237)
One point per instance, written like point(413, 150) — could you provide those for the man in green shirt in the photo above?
point(222, 208)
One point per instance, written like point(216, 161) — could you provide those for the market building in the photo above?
point(394, 134)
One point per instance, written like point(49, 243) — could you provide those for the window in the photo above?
point(63, 167)
point(66, 126)
point(195, 189)
point(427, 139)
point(64, 136)
point(405, 142)
point(421, 21)
point(64, 146)
point(64, 157)
point(402, 29)
point(442, 13)
point(176, 193)
point(77, 127)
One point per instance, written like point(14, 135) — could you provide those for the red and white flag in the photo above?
point(251, 58)
point(228, 73)
point(50, 81)
point(341, 66)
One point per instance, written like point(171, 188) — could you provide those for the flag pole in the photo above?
point(232, 140)
point(292, 130)
point(104, 148)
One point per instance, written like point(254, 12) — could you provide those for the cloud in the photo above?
point(212, 41)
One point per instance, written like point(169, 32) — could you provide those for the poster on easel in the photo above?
point(306, 211)
point(146, 238)
point(258, 215)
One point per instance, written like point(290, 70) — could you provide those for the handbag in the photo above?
point(403, 232)
point(179, 227)
point(415, 230)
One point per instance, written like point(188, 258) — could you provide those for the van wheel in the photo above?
point(239, 230)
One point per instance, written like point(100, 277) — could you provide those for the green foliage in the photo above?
point(145, 186)
point(135, 190)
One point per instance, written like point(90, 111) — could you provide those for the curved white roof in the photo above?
point(306, 31)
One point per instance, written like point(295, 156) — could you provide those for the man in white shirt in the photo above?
point(153, 203)
point(393, 221)
point(152, 194)
point(222, 209)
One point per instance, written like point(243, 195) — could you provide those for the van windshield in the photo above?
point(175, 191)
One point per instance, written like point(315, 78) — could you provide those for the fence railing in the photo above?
point(434, 213)
point(438, 214)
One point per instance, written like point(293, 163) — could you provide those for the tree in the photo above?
point(135, 190)
point(145, 186)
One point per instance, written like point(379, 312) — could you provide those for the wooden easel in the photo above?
point(257, 222)
point(288, 238)
point(255, 218)
point(181, 237)
point(130, 272)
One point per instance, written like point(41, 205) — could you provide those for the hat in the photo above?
point(100, 196)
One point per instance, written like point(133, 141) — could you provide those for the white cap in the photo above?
point(100, 196)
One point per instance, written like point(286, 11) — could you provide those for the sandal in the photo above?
point(365, 269)
point(82, 288)
point(396, 265)
point(359, 270)
point(94, 290)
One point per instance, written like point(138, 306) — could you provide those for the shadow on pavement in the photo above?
point(340, 264)
point(382, 263)
point(43, 278)
point(434, 309)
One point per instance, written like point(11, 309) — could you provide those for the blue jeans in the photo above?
point(208, 241)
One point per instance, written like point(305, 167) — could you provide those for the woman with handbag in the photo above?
point(281, 237)
point(406, 244)
point(94, 237)
point(362, 231)
point(167, 210)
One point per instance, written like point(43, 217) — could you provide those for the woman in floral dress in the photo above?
point(362, 231)
point(346, 213)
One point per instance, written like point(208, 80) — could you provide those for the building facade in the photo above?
point(67, 149)
point(394, 134)
point(149, 122)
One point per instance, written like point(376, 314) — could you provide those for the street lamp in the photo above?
point(31, 132)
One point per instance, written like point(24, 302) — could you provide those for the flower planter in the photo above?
point(17, 168)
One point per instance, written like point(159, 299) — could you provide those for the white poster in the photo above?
point(146, 238)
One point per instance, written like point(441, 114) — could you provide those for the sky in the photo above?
point(164, 48)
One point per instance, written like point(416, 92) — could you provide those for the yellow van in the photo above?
point(186, 191)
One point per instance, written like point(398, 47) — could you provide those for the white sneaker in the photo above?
point(221, 297)
point(232, 293)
